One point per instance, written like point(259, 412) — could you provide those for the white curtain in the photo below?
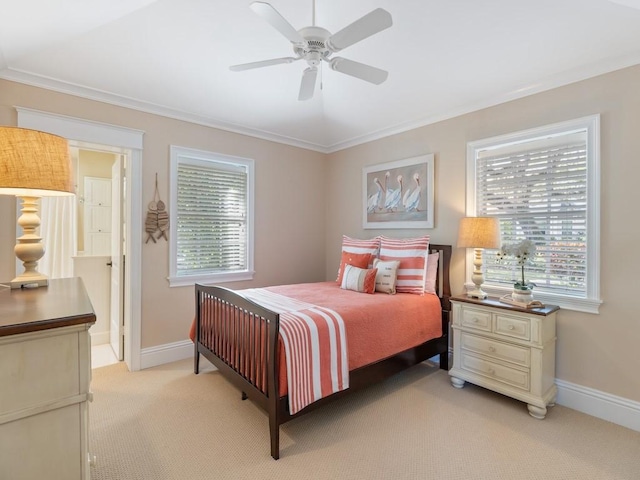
point(58, 221)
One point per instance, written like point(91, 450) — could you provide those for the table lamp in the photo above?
point(33, 164)
point(478, 233)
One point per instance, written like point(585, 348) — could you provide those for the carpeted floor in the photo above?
point(167, 423)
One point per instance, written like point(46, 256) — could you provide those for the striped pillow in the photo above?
point(359, 279)
point(355, 245)
point(412, 254)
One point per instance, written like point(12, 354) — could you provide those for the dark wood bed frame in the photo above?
point(240, 338)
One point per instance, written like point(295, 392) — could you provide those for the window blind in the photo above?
point(539, 193)
point(211, 218)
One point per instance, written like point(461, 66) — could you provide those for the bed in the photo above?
point(243, 338)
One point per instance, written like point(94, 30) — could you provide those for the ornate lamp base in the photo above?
point(29, 247)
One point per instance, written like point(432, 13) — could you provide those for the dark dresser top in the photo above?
point(63, 303)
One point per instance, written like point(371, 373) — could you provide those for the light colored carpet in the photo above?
point(168, 423)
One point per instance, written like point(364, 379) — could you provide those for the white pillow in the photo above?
point(432, 272)
point(359, 279)
point(386, 276)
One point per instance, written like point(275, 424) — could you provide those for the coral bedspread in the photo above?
point(377, 326)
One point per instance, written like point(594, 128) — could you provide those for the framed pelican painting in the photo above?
point(399, 194)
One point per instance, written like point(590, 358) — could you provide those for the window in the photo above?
point(211, 238)
point(543, 185)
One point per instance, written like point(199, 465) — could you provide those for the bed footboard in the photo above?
point(240, 338)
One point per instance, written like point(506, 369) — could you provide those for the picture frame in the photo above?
point(399, 194)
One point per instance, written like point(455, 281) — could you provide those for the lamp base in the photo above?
point(29, 281)
point(477, 293)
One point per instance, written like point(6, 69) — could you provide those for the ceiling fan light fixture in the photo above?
point(315, 44)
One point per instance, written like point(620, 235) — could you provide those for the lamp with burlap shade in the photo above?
point(33, 164)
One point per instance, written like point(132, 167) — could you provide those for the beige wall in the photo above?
point(297, 189)
point(596, 351)
point(290, 199)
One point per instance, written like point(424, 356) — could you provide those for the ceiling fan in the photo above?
point(315, 45)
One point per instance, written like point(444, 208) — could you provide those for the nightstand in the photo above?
point(506, 349)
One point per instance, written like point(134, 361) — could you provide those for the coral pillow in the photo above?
point(432, 272)
point(387, 274)
point(355, 245)
point(360, 260)
point(412, 254)
point(359, 279)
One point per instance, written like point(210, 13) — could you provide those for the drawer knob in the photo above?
point(492, 371)
point(511, 327)
point(492, 348)
point(475, 320)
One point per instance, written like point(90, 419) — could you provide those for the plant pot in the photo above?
point(524, 296)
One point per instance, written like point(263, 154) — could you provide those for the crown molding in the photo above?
point(55, 85)
point(554, 81)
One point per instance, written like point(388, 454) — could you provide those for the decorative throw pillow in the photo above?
point(432, 272)
point(360, 260)
point(412, 254)
point(359, 279)
point(355, 245)
point(387, 274)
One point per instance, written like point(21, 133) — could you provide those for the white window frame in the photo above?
point(591, 125)
point(200, 157)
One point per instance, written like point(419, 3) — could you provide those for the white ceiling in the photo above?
point(444, 57)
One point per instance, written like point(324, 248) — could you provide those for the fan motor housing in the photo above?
point(316, 48)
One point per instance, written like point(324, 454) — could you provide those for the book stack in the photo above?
point(509, 300)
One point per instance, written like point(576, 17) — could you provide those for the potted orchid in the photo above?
point(523, 252)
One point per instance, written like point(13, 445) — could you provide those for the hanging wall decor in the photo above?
point(157, 218)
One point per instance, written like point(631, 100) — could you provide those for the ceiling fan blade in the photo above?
point(277, 21)
point(372, 23)
point(308, 83)
point(262, 63)
point(359, 70)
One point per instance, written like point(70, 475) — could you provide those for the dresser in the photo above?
point(506, 349)
point(45, 373)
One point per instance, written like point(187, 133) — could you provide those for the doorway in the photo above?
point(123, 138)
point(100, 173)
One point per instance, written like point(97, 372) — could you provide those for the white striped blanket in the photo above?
point(315, 346)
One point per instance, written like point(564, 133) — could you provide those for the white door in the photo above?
point(116, 327)
point(97, 216)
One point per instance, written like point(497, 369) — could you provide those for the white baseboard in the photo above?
point(618, 410)
point(99, 338)
point(611, 408)
point(167, 353)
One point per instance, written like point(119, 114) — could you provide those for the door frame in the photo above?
point(111, 135)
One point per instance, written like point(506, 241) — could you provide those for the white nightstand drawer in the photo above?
point(479, 319)
point(516, 327)
point(501, 351)
point(511, 376)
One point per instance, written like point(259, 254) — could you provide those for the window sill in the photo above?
point(212, 278)
point(586, 305)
